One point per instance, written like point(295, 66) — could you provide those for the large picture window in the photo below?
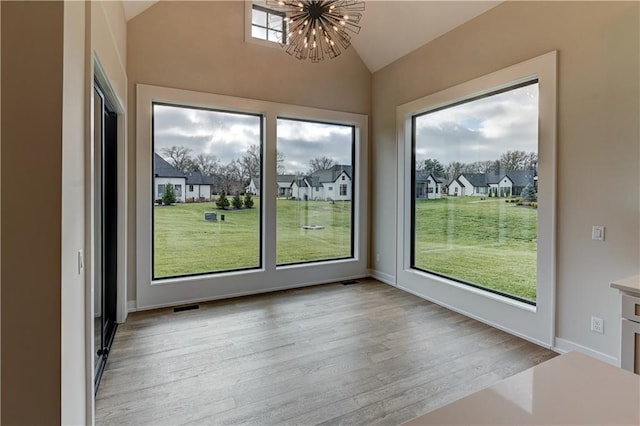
point(476, 197)
point(214, 216)
point(315, 186)
point(474, 203)
point(214, 225)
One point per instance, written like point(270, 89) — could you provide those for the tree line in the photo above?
point(233, 177)
point(230, 178)
point(510, 160)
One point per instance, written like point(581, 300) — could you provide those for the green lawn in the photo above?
point(184, 243)
point(489, 242)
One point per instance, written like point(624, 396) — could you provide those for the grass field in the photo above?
point(486, 242)
point(184, 243)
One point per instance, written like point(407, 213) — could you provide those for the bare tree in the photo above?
point(280, 161)
point(321, 163)
point(206, 164)
point(531, 161)
point(178, 157)
point(230, 178)
point(453, 169)
point(513, 160)
point(251, 163)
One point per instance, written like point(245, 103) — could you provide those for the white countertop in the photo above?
point(629, 285)
point(570, 389)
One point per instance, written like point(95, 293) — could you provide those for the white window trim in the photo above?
point(167, 292)
point(534, 323)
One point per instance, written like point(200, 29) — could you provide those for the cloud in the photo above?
point(229, 135)
point(225, 135)
point(480, 130)
point(300, 142)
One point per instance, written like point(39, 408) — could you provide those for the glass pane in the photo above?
point(257, 32)
point(258, 17)
point(275, 36)
point(275, 22)
point(475, 192)
point(314, 213)
point(217, 156)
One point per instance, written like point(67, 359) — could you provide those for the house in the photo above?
point(198, 187)
point(481, 184)
point(428, 186)
point(253, 187)
point(164, 173)
point(284, 185)
point(329, 184)
point(514, 181)
point(53, 51)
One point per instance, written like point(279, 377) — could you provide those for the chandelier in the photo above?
point(316, 28)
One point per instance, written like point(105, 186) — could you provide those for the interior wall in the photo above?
point(32, 123)
point(109, 43)
point(200, 46)
point(598, 141)
point(74, 376)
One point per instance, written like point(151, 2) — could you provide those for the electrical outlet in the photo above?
point(597, 325)
point(377, 257)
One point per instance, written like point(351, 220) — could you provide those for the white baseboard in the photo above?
point(381, 276)
point(563, 345)
point(132, 306)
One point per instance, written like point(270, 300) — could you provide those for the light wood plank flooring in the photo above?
point(357, 354)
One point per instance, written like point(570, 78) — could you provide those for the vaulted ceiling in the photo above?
point(393, 28)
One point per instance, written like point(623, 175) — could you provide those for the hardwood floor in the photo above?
point(366, 353)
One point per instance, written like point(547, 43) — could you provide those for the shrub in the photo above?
point(248, 201)
point(222, 202)
point(529, 193)
point(236, 201)
point(169, 196)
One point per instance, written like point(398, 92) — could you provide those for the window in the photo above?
point(486, 242)
point(456, 246)
point(161, 190)
point(268, 24)
point(313, 226)
point(187, 240)
point(186, 253)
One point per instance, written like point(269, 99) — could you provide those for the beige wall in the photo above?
point(598, 140)
point(108, 41)
point(32, 83)
point(200, 46)
point(74, 375)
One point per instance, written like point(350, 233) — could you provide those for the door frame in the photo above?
point(97, 73)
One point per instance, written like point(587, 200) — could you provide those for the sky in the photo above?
point(229, 135)
point(480, 130)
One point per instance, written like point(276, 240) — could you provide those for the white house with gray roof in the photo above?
point(163, 174)
point(199, 187)
point(191, 186)
point(329, 184)
point(511, 182)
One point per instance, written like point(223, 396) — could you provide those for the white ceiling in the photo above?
point(391, 28)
